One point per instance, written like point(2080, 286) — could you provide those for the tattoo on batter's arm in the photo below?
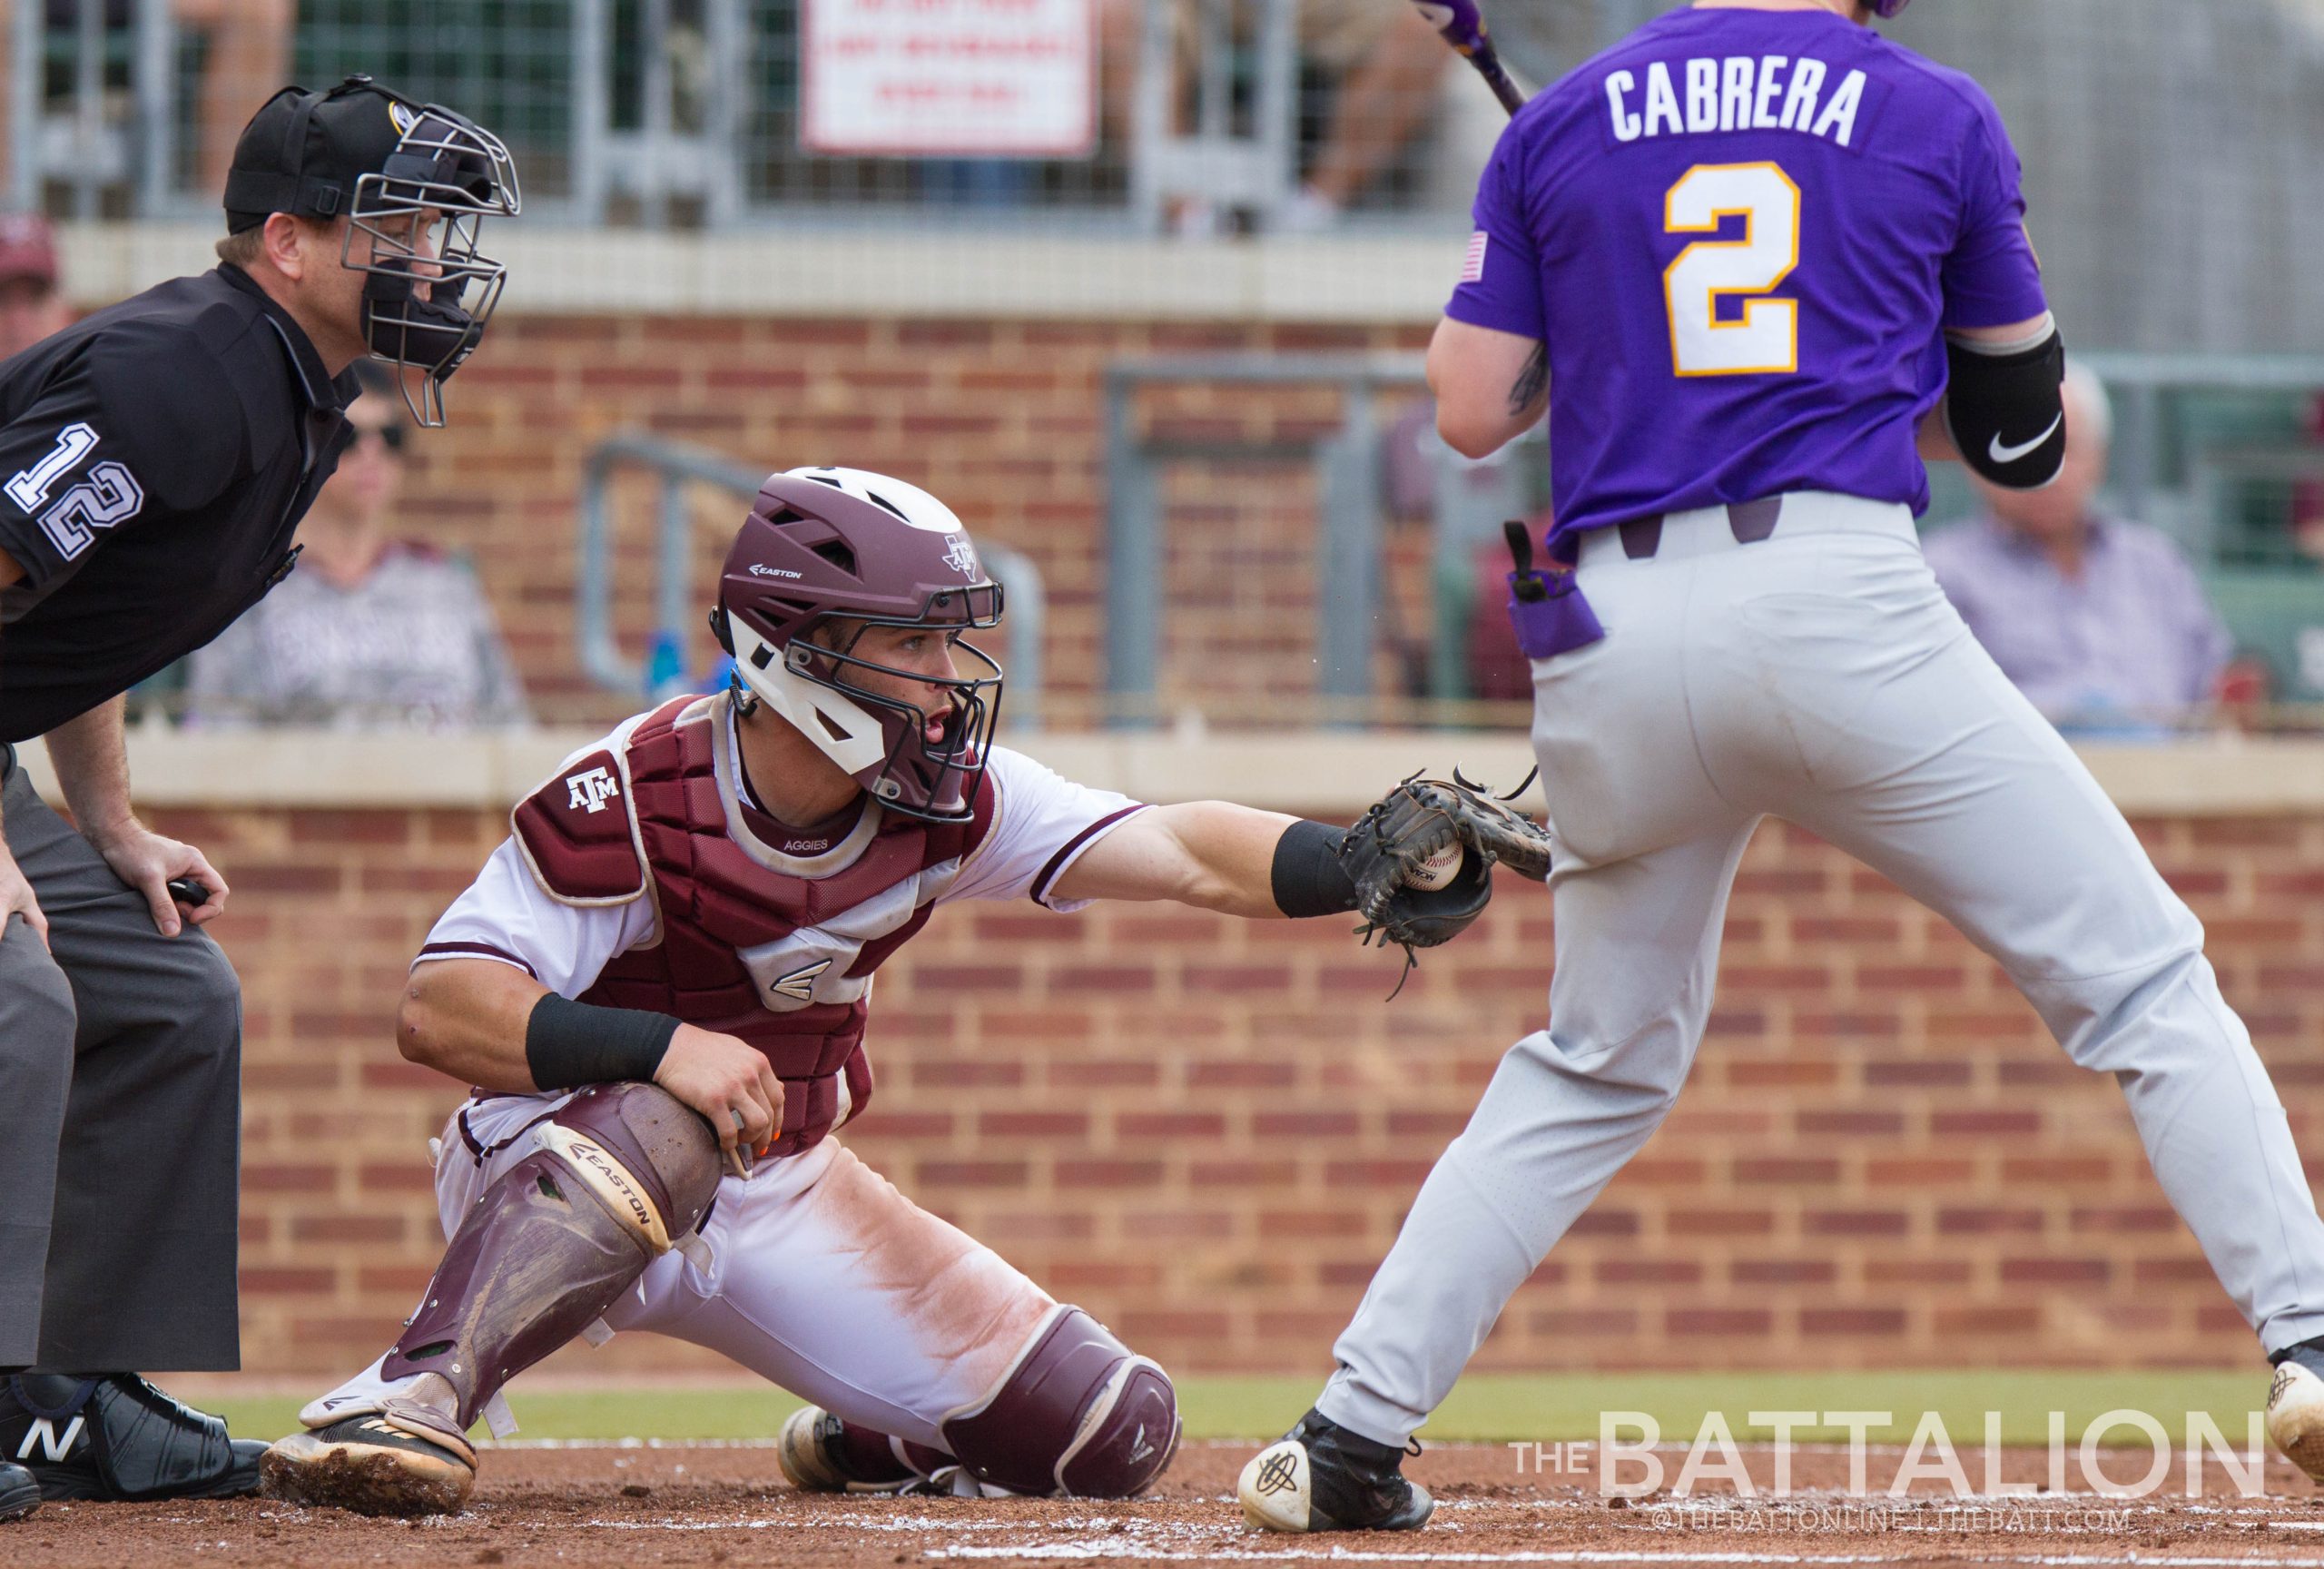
point(1527, 388)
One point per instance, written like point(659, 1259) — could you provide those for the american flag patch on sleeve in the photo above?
point(1473, 264)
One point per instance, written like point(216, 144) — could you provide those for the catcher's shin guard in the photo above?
point(619, 1173)
point(1077, 1414)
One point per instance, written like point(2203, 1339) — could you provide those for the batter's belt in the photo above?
point(1706, 529)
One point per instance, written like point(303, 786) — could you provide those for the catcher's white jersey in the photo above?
point(1042, 823)
point(814, 1272)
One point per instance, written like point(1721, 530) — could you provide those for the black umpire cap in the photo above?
point(303, 152)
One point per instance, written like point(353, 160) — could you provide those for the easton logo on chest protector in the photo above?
point(800, 984)
point(590, 790)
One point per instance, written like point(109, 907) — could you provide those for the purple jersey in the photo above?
point(1739, 233)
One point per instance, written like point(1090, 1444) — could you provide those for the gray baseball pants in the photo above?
point(1818, 676)
point(120, 1121)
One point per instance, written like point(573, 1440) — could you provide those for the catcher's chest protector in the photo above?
point(777, 950)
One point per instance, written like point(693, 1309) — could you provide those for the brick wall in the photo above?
point(1208, 1131)
point(1003, 419)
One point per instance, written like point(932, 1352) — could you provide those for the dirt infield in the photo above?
point(634, 1507)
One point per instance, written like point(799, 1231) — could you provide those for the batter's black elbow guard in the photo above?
point(1307, 878)
point(2007, 412)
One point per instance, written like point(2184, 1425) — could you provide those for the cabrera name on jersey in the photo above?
point(1734, 92)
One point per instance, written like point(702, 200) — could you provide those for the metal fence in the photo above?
point(2175, 152)
point(2223, 453)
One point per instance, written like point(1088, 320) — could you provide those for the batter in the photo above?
point(1771, 261)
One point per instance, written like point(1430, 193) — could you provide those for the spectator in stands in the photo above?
point(2307, 495)
point(32, 306)
point(372, 630)
point(2100, 622)
point(1385, 61)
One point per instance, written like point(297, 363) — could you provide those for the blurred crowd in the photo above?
point(2101, 616)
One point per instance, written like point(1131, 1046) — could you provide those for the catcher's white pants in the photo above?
point(816, 1274)
point(1820, 676)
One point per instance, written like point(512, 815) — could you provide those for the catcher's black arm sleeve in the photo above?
point(1307, 877)
point(2007, 412)
point(569, 1044)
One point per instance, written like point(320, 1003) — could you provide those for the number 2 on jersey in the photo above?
point(1764, 337)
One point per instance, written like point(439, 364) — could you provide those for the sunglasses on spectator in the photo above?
point(389, 436)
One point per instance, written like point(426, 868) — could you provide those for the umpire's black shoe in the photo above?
point(114, 1436)
point(1321, 1478)
point(19, 1493)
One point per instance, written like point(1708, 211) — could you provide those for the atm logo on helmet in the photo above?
point(962, 557)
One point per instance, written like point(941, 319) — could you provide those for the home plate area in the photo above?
point(629, 1506)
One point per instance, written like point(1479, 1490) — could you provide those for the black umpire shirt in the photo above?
point(154, 459)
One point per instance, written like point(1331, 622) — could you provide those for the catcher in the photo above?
point(666, 969)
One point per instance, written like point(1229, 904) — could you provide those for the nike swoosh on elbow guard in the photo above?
point(2002, 454)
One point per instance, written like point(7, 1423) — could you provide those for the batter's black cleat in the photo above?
point(398, 1457)
point(1321, 1478)
point(114, 1437)
point(19, 1491)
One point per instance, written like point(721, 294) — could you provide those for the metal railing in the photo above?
point(1348, 539)
point(678, 613)
point(2166, 472)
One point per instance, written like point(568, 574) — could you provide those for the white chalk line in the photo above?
point(1117, 1549)
point(1127, 1537)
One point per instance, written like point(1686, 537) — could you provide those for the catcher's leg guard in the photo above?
point(619, 1174)
point(1077, 1414)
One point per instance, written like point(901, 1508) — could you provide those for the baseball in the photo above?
point(1438, 869)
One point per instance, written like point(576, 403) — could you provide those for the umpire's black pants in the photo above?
point(120, 1120)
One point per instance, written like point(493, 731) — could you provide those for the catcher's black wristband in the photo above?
point(569, 1044)
point(1307, 878)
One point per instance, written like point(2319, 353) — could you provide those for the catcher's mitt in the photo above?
point(1390, 848)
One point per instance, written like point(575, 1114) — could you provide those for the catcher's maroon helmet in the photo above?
point(836, 545)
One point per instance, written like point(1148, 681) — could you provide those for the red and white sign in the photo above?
point(948, 78)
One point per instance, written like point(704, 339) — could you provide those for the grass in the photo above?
point(1506, 1407)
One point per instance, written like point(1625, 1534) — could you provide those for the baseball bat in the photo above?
point(1461, 25)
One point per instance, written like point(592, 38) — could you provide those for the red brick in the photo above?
point(1884, 1322)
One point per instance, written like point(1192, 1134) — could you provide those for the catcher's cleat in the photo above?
point(2295, 1407)
point(822, 1452)
point(1323, 1477)
point(403, 1458)
point(114, 1438)
point(19, 1491)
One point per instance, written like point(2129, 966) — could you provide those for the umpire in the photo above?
point(155, 460)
